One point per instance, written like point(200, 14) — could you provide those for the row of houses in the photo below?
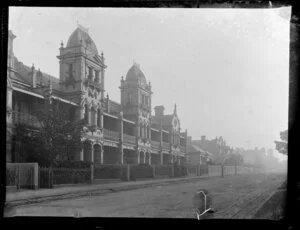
point(125, 132)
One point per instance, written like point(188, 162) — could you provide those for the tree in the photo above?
point(57, 137)
point(281, 146)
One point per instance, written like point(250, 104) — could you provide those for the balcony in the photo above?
point(155, 144)
point(128, 138)
point(182, 148)
point(111, 135)
point(26, 119)
point(165, 145)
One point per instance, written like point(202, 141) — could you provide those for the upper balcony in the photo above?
point(182, 148)
point(165, 145)
point(129, 139)
point(111, 135)
point(155, 144)
point(25, 119)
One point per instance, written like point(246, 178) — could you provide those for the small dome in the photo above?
point(81, 34)
point(135, 74)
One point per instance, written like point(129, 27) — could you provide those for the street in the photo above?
point(236, 196)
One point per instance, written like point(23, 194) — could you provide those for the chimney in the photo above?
point(33, 76)
point(159, 110)
point(10, 55)
point(189, 140)
point(203, 138)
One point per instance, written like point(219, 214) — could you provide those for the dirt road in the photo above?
point(236, 196)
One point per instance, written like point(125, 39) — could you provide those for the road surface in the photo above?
point(236, 196)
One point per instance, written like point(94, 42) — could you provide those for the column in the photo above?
point(89, 116)
point(81, 154)
point(144, 157)
point(138, 156)
point(101, 155)
point(95, 117)
point(161, 158)
point(121, 137)
point(101, 119)
point(92, 152)
point(150, 158)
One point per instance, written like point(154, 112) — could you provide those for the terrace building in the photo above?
point(118, 133)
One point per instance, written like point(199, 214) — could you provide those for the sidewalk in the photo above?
point(34, 196)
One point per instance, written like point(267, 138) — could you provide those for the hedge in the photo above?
point(141, 171)
point(163, 170)
point(72, 164)
point(180, 170)
point(109, 171)
point(71, 176)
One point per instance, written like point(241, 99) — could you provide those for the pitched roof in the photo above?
point(24, 74)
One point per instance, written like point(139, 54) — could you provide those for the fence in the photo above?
point(214, 170)
point(22, 175)
point(163, 170)
point(57, 176)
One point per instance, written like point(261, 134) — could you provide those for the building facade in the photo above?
point(118, 133)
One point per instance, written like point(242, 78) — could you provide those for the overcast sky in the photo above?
point(226, 69)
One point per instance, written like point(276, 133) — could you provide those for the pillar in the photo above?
point(89, 115)
point(120, 124)
point(101, 119)
point(150, 163)
point(138, 156)
point(101, 155)
point(95, 117)
point(161, 158)
point(92, 152)
point(81, 154)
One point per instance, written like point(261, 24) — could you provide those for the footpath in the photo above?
point(27, 197)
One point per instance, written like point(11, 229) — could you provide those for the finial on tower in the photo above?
point(175, 109)
point(61, 44)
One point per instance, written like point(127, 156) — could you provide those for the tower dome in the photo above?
point(81, 35)
point(135, 74)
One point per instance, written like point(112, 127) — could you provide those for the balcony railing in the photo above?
point(26, 119)
point(155, 144)
point(182, 148)
point(111, 135)
point(129, 139)
point(165, 145)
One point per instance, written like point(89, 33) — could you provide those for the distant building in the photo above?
point(124, 132)
point(196, 155)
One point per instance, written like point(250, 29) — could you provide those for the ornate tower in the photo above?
point(136, 100)
point(82, 74)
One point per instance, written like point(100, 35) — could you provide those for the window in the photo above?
point(90, 72)
point(70, 70)
point(97, 78)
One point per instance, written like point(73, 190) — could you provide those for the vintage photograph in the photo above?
point(147, 112)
